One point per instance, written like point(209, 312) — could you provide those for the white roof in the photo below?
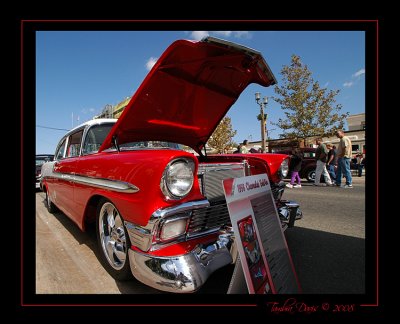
point(94, 122)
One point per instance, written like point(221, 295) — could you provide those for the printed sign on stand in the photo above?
point(264, 254)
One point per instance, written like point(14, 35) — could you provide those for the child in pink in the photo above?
point(295, 166)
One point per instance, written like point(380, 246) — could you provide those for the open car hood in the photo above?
point(188, 92)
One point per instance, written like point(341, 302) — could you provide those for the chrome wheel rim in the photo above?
point(112, 236)
point(48, 199)
point(312, 175)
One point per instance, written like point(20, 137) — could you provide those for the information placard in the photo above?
point(264, 254)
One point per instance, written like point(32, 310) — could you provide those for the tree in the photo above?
point(221, 139)
point(310, 110)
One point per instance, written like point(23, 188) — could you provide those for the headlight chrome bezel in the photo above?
point(167, 187)
point(284, 168)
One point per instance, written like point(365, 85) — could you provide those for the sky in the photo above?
point(79, 72)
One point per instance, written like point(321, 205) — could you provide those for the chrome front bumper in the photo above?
point(289, 211)
point(185, 273)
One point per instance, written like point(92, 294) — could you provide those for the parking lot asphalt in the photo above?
point(328, 244)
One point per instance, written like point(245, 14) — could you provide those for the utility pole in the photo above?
point(262, 104)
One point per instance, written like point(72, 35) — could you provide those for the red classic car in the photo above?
point(160, 212)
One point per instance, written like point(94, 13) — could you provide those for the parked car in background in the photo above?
point(40, 160)
point(308, 165)
point(159, 211)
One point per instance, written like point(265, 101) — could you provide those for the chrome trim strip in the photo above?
point(204, 233)
point(226, 165)
point(139, 236)
point(113, 185)
point(188, 206)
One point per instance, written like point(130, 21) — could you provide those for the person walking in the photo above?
point(360, 163)
point(296, 160)
point(332, 160)
point(344, 156)
point(321, 155)
point(243, 148)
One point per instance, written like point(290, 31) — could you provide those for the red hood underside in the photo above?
point(188, 92)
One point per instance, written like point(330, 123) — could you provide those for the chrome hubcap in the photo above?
point(112, 236)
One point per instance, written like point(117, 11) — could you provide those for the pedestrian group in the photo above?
point(332, 163)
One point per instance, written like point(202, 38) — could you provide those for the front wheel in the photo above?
point(113, 241)
point(310, 175)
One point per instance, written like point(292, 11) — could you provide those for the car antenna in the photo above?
point(115, 142)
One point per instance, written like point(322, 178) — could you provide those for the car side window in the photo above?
point(74, 144)
point(95, 137)
point(60, 151)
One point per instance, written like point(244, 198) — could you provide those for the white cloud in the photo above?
point(348, 84)
point(225, 33)
point(326, 84)
point(86, 111)
point(150, 62)
point(242, 34)
point(356, 77)
point(198, 35)
point(358, 73)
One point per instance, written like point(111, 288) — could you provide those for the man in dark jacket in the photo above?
point(295, 166)
point(321, 155)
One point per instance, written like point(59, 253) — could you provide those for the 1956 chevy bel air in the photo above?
point(160, 212)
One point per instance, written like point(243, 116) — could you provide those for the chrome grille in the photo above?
point(211, 176)
point(205, 219)
point(210, 180)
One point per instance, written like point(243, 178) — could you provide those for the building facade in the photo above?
point(356, 133)
point(110, 111)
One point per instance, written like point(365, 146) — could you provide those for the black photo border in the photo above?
point(27, 300)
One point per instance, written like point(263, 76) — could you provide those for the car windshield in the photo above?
point(98, 133)
point(149, 145)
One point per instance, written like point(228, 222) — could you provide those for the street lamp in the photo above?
point(263, 105)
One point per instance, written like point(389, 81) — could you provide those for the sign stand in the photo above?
point(238, 282)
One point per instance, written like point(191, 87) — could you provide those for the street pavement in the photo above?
point(328, 244)
point(327, 247)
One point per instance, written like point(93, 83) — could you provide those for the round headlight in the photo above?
point(284, 168)
point(178, 179)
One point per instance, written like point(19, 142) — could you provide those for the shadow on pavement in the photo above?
point(327, 263)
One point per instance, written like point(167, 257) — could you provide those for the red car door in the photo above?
point(63, 191)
